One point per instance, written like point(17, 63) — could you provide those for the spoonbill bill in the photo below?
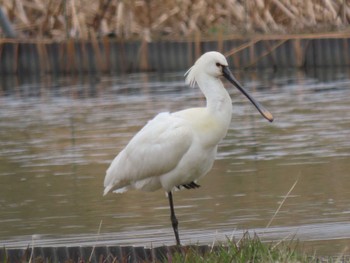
point(173, 150)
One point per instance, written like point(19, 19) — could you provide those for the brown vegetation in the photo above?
point(153, 19)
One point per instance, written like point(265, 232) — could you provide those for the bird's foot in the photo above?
point(191, 185)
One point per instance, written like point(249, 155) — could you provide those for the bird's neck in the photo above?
point(219, 102)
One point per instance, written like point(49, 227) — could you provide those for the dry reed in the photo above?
point(154, 19)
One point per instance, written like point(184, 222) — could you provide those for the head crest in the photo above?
point(191, 76)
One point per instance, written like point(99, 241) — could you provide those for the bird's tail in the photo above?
point(107, 189)
point(120, 190)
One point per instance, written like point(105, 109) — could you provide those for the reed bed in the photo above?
point(154, 19)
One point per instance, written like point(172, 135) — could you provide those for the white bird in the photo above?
point(174, 150)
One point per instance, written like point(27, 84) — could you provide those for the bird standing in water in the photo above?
point(174, 150)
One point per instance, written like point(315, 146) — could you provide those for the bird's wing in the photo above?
point(155, 150)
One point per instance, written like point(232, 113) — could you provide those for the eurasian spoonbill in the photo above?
point(173, 150)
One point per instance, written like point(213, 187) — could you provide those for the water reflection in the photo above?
point(58, 135)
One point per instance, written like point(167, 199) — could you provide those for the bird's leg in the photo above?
point(173, 218)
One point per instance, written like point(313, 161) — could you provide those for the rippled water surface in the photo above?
point(58, 136)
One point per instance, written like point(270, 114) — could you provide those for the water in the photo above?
point(58, 136)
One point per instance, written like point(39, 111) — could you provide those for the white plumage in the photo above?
point(176, 149)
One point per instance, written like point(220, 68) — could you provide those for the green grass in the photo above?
point(251, 249)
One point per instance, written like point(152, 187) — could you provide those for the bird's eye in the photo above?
point(218, 64)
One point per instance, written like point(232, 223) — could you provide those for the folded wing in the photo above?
point(155, 150)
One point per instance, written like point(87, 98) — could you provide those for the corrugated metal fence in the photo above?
point(108, 55)
point(105, 254)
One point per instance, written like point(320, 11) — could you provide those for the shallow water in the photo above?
point(58, 136)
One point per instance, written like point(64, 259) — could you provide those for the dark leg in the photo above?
point(173, 218)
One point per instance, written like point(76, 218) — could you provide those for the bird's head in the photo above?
point(215, 64)
point(210, 63)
